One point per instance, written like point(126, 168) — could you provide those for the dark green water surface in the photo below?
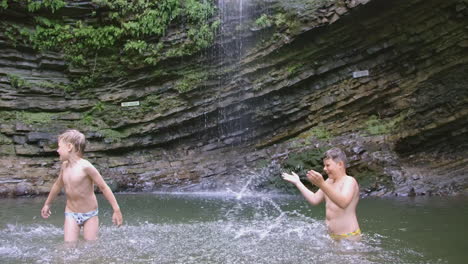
point(232, 228)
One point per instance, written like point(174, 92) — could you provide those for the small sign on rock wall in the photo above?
point(358, 74)
point(133, 103)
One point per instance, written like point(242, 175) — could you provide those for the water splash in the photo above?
point(215, 228)
point(251, 232)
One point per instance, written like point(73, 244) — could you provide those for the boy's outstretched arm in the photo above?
point(342, 197)
point(107, 192)
point(311, 197)
point(54, 191)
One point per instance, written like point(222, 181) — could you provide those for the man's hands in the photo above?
point(315, 178)
point(292, 178)
point(45, 211)
point(117, 218)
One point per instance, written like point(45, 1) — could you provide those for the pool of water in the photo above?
point(228, 228)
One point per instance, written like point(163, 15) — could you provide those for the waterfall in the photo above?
point(236, 18)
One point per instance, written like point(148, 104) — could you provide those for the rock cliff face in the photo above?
point(385, 80)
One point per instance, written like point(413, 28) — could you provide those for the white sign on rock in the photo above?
point(133, 103)
point(358, 74)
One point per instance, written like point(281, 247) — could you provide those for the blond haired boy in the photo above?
point(340, 192)
point(77, 176)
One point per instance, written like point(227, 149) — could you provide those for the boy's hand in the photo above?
point(292, 178)
point(117, 218)
point(315, 178)
point(45, 211)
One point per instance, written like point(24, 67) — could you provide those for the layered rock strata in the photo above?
point(404, 62)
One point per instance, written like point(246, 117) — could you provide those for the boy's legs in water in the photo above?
point(71, 230)
point(91, 228)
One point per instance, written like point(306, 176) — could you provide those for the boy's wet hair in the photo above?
point(76, 138)
point(336, 154)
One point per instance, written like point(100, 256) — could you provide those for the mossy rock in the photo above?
point(370, 180)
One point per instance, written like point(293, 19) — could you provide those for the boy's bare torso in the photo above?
point(338, 220)
point(79, 187)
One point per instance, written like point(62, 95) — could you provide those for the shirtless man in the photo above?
point(78, 176)
point(340, 192)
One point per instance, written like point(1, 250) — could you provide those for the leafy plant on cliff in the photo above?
point(14, 33)
point(135, 30)
point(190, 81)
point(34, 118)
point(321, 132)
point(112, 135)
point(89, 117)
point(4, 140)
point(303, 161)
point(280, 20)
point(35, 5)
point(18, 82)
point(159, 105)
point(318, 132)
point(293, 69)
point(378, 126)
point(7, 116)
point(53, 5)
point(263, 21)
point(54, 85)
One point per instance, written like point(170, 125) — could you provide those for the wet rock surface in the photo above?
point(255, 101)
